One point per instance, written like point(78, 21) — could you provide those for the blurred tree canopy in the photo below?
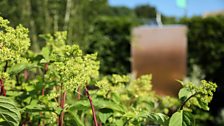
point(48, 16)
point(112, 42)
point(145, 11)
point(205, 38)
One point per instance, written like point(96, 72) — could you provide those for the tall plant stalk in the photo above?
point(62, 105)
point(2, 88)
point(92, 106)
point(43, 88)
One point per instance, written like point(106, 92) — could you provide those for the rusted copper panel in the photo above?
point(161, 51)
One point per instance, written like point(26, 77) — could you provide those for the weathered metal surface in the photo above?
point(161, 51)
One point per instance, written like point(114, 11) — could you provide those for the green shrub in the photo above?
point(61, 86)
point(206, 44)
point(112, 43)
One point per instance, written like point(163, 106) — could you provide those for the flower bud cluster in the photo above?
point(69, 66)
point(14, 42)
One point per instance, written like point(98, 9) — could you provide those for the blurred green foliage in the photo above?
point(206, 50)
point(49, 16)
point(112, 43)
point(205, 44)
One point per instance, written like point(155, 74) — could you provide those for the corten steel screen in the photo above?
point(162, 52)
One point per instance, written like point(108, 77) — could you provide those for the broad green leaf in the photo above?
point(76, 118)
point(184, 93)
point(34, 106)
point(181, 118)
point(9, 112)
point(80, 105)
point(104, 116)
point(100, 103)
point(157, 118)
point(119, 122)
point(45, 52)
point(14, 93)
point(20, 67)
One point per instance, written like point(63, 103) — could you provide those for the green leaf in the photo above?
point(35, 107)
point(76, 118)
point(45, 52)
point(100, 104)
point(14, 93)
point(119, 122)
point(80, 105)
point(181, 118)
point(44, 61)
point(20, 67)
point(184, 93)
point(9, 112)
point(203, 105)
point(157, 118)
point(104, 116)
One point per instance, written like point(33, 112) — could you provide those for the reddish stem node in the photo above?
point(78, 96)
point(92, 106)
point(62, 105)
point(26, 75)
point(2, 89)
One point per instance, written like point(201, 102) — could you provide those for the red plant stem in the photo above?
point(46, 67)
point(42, 91)
point(26, 75)
point(43, 88)
point(93, 110)
point(62, 104)
point(78, 97)
point(2, 89)
point(1, 84)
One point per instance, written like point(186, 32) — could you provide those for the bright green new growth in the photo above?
point(197, 95)
point(192, 96)
point(14, 42)
point(69, 66)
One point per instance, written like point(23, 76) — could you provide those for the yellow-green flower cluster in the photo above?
point(70, 67)
point(202, 94)
point(141, 86)
point(14, 42)
point(119, 79)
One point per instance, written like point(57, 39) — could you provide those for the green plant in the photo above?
point(61, 86)
point(192, 96)
point(9, 113)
